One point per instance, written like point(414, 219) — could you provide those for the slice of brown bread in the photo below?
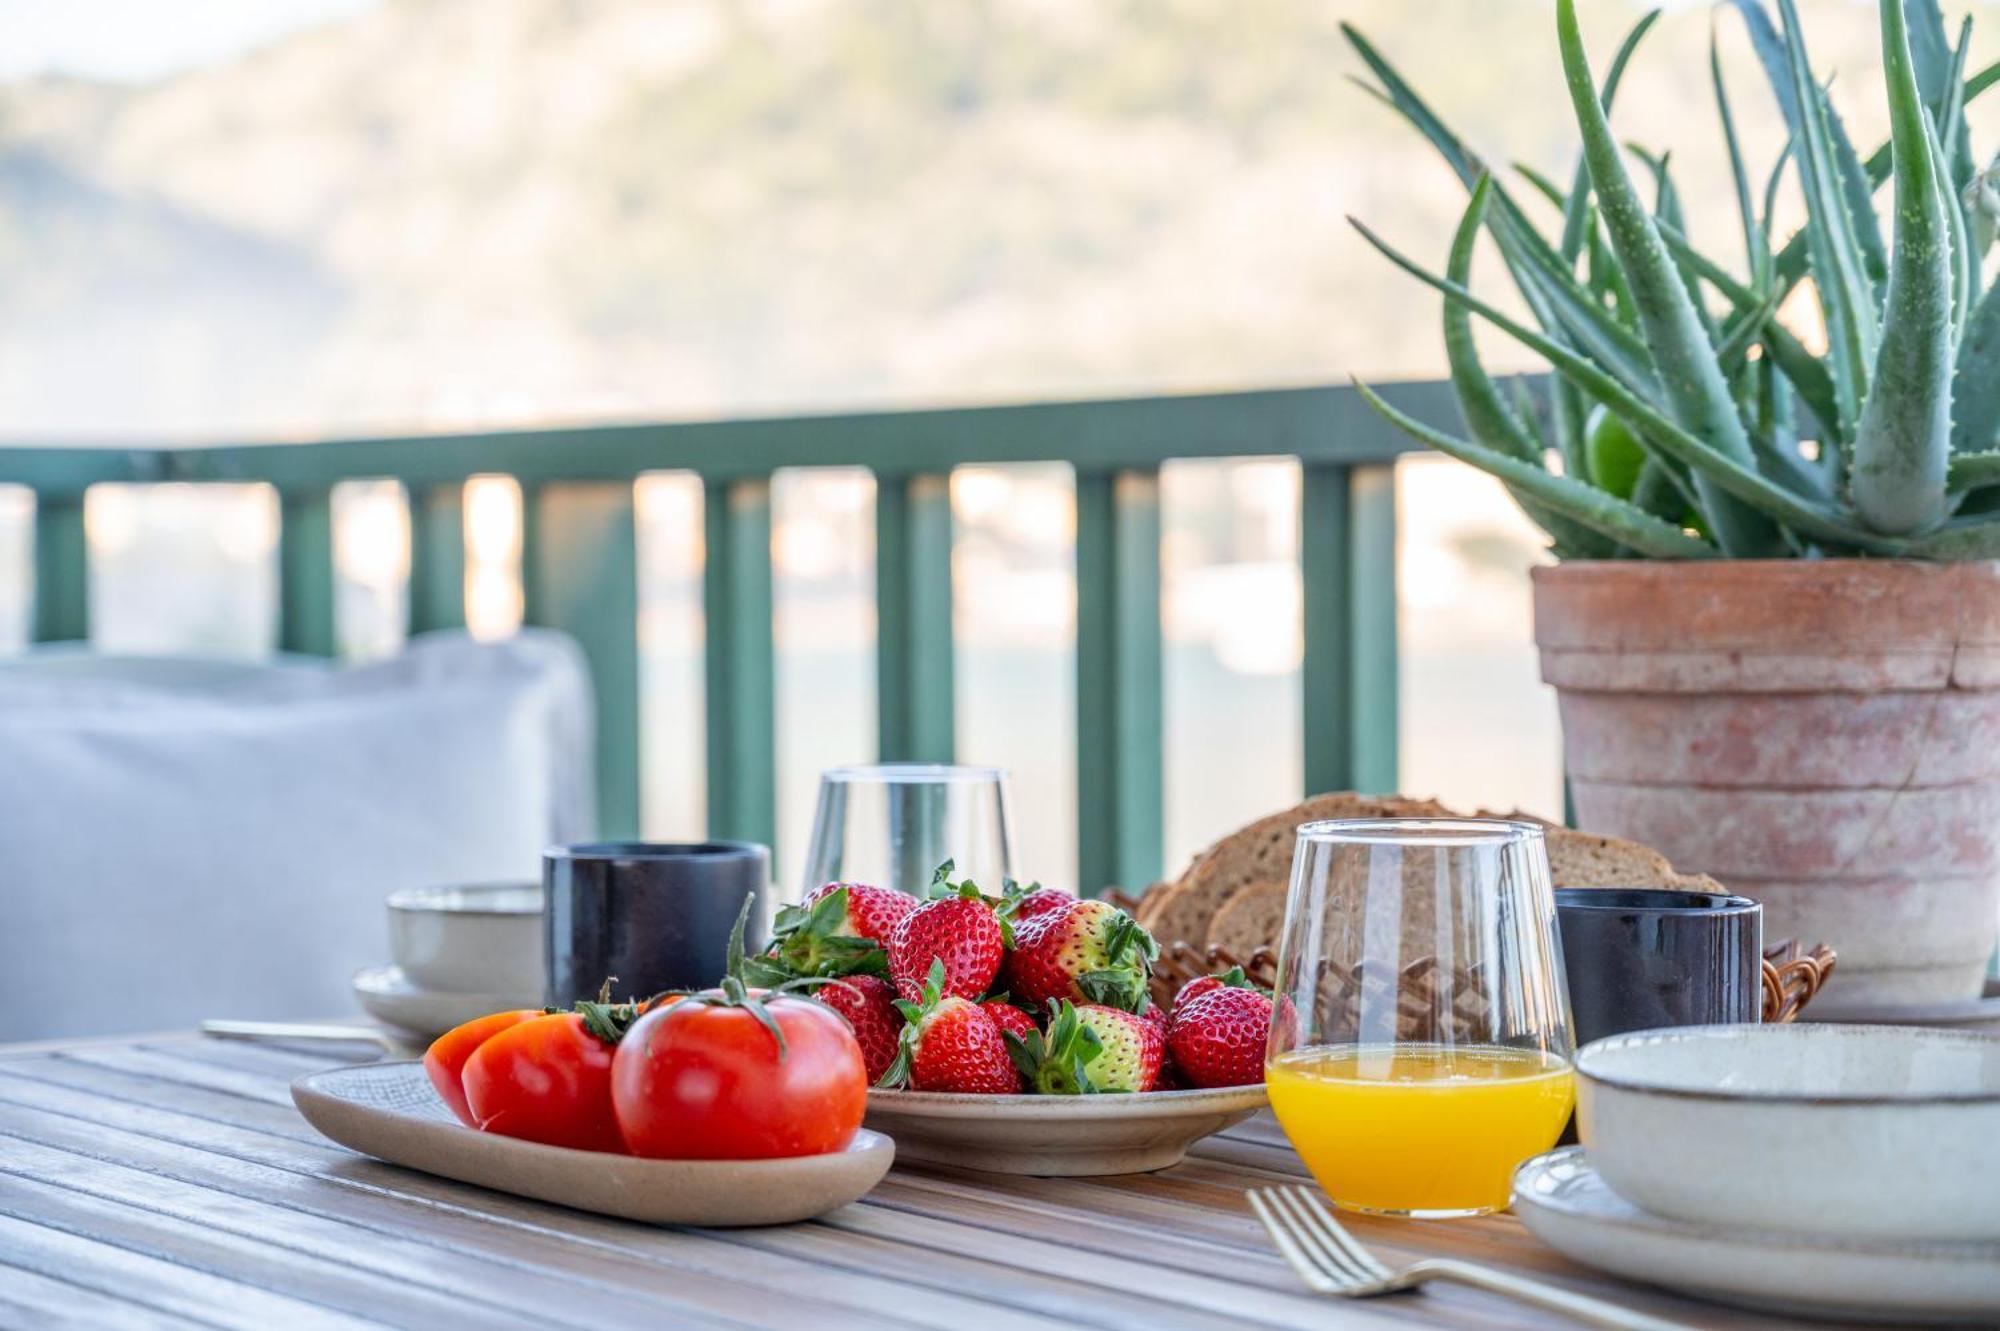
point(1253, 913)
point(1260, 853)
point(1584, 859)
point(1252, 918)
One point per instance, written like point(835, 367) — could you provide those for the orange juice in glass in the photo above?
point(1420, 1047)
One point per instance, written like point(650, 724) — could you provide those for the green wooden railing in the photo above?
point(579, 571)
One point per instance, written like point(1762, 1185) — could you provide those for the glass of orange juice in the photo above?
point(1420, 1041)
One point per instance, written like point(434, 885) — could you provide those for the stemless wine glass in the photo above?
point(892, 824)
point(1420, 1041)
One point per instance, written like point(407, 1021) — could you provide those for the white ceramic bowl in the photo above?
point(1880, 1132)
point(1057, 1135)
point(469, 940)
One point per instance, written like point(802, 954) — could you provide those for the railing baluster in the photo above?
point(305, 574)
point(586, 575)
point(62, 570)
point(531, 553)
point(437, 558)
point(913, 646)
point(742, 711)
point(1347, 555)
point(1118, 680)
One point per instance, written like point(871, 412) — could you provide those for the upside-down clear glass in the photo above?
point(892, 824)
point(1421, 1040)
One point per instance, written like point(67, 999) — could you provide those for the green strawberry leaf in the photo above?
point(1122, 988)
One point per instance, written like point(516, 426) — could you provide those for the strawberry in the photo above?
point(1020, 902)
point(1219, 1038)
point(872, 912)
point(959, 930)
point(950, 1043)
point(1089, 1049)
point(1086, 952)
point(869, 1004)
point(1007, 1017)
point(1233, 978)
point(826, 934)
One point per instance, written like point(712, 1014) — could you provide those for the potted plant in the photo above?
point(1774, 625)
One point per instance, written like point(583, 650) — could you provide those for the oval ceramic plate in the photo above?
point(390, 1111)
point(1051, 1135)
point(1565, 1202)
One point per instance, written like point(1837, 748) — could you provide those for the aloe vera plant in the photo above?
point(1684, 418)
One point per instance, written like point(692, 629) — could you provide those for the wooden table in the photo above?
point(169, 1182)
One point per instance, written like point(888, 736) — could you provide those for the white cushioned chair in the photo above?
point(182, 839)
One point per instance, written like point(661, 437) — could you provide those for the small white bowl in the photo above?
point(1057, 1136)
point(469, 940)
point(1878, 1132)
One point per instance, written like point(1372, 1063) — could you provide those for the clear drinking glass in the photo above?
point(1421, 1041)
point(892, 824)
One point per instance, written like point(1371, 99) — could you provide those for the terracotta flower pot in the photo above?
point(1823, 735)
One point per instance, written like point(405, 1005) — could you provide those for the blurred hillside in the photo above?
point(461, 212)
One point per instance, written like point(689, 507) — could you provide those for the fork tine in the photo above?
point(1279, 1229)
point(1366, 1262)
point(1331, 1259)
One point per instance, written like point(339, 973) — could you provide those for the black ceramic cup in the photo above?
point(1642, 958)
point(655, 915)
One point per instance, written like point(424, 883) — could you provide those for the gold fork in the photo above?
point(1329, 1260)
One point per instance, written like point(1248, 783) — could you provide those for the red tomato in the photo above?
point(705, 1080)
point(444, 1061)
point(546, 1080)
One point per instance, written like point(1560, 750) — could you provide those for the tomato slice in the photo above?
point(444, 1061)
point(544, 1080)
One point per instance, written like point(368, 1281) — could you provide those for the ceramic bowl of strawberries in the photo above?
point(1011, 1031)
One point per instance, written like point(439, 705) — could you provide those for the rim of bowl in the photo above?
point(656, 851)
point(425, 900)
point(1684, 903)
point(1809, 1031)
point(1429, 831)
point(913, 773)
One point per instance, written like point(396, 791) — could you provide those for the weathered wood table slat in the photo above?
point(169, 1182)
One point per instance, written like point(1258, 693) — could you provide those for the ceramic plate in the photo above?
point(388, 995)
point(1057, 1134)
point(389, 1111)
point(1567, 1205)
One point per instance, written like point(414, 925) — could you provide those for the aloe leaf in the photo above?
point(1897, 469)
point(1667, 212)
point(1958, 240)
point(1576, 309)
point(1490, 419)
point(1807, 373)
point(1836, 222)
point(1487, 415)
point(1545, 187)
point(1976, 380)
point(1949, 129)
point(1756, 252)
point(1399, 94)
point(1579, 191)
point(1688, 373)
point(1969, 471)
point(1809, 114)
point(1729, 474)
point(1941, 81)
point(1968, 538)
point(1607, 515)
